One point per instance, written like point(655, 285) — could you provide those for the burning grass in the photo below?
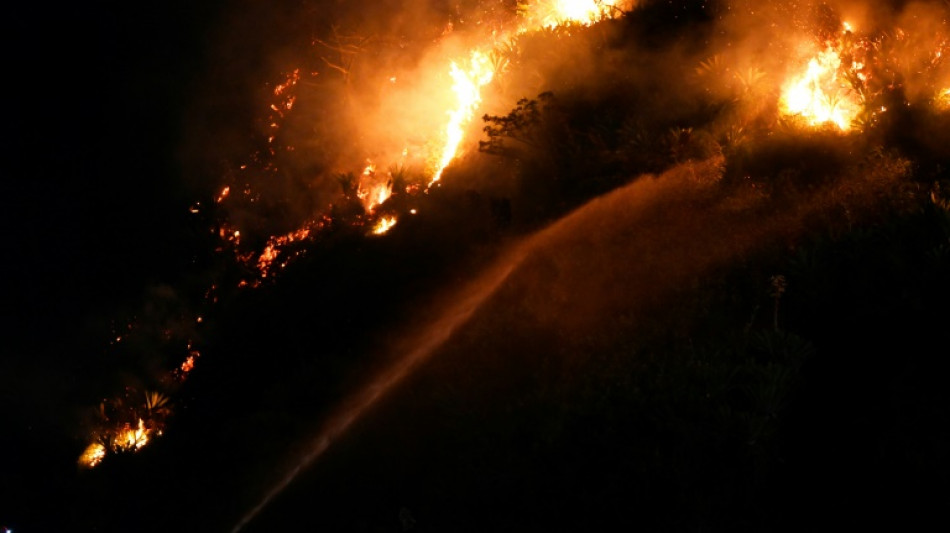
point(819, 96)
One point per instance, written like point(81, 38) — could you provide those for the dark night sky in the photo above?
point(96, 210)
point(100, 93)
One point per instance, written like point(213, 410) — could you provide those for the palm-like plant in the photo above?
point(711, 66)
point(749, 79)
point(157, 403)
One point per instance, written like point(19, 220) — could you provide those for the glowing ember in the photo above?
point(383, 225)
point(227, 233)
point(125, 425)
point(292, 80)
point(93, 455)
point(188, 365)
point(274, 245)
point(819, 96)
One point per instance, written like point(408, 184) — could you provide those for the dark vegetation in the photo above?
point(788, 379)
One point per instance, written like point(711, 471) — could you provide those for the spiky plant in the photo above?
point(157, 403)
point(749, 79)
point(711, 66)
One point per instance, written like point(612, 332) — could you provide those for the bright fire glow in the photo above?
point(468, 76)
point(552, 13)
point(274, 245)
point(131, 438)
point(943, 99)
point(383, 225)
point(93, 455)
point(467, 85)
point(819, 96)
point(373, 191)
point(468, 79)
point(126, 439)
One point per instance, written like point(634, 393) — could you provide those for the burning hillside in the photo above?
point(839, 75)
point(370, 189)
point(395, 152)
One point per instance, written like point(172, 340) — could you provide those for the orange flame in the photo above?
point(819, 96)
point(384, 225)
point(943, 99)
point(274, 245)
point(467, 85)
point(93, 455)
point(372, 191)
point(131, 438)
point(552, 13)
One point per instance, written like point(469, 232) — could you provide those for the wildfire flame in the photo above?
point(384, 225)
point(131, 438)
point(818, 94)
point(274, 244)
point(372, 190)
point(943, 99)
point(477, 71)
point(552, 13)
point(127, 438)
point(93, 455)
point(467, 85)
